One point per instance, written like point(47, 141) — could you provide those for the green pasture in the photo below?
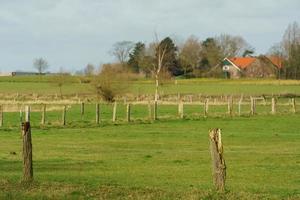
point(165, 159)
point(45, 85)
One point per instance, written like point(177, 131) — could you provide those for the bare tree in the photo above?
point(89, 70)
point(291, 46)
point(160, 50)
point(190, 54)
point(40, 64)
point(231, 46)
point(121, 51)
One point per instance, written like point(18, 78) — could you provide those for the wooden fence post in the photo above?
point(128, 112)
point(149, 110)
point(253, 105)
point(81, 110)
point(21, 116)
point(206, 106)
point(64, 115)
point(43, 114)
point(155, 110)
point(114, 119)
point(218, 161)
point(1, 115)
point(294, 105)
point(180, 109)
point(230, 106)
point(27, 148)
point(97, 113)
point(240, 107)
point(273, 110)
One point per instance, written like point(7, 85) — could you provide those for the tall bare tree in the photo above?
point(40, 64)
point(291, 46)
point(231, 46)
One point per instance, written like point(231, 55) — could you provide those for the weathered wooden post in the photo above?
point(155, 110)
point(114, 119)
point(97, 113)
point(240, 107)
point(253, 105)
point(206, 105)
point(293, 101)
point(27, 148)
point(128, 109)
point(43, 114)
point(218, 161)
point(180, 109)
point(230, 105)
point(273, 109)
point(64, 115)
point(149, 110)
point(1, 115)
point(82, 110)
point(21, 116)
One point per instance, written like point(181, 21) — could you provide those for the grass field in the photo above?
point(168, 159)
point(44, 85)
point(165, 159)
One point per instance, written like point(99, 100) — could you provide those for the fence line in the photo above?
point(154, 107)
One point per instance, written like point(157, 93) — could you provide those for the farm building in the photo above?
point(252, 67)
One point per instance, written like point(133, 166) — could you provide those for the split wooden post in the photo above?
point(97, 113)
point(114, 119)
point(218, 161)
point(27, 148)
point(43, 114)
point(128, 112)
point(64, 113)
point(180, 109)
point(155, 110)
point(1, 115)
point(273, 109)
point(230, 106)
point(206, 106)
point(82, 110)
point(293, 101)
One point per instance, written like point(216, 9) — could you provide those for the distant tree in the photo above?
point(232, 46)
point(170, 57)
point(248, 52)
point(291, 46)
point(89, 70)
point(40, 64)
point(110, 82)
point(211, 54)
point(60, 79)
point(190, 55)
point(136, 56)
point(121, 51)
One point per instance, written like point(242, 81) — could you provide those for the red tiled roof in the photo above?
point(277, 61)
point(242, 62)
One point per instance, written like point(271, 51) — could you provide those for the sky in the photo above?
point(72, 33)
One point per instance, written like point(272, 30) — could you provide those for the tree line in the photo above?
point(289, 50)
point(191, 58)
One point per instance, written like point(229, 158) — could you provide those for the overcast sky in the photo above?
point(72, 33)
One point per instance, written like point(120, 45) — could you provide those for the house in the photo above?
point(252, 67)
